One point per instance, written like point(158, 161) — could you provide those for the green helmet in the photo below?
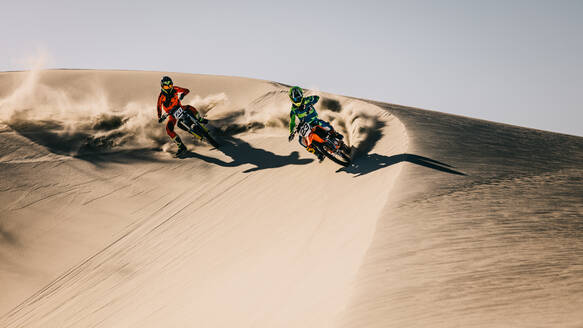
point(296, 94)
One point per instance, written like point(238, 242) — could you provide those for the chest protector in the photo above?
point(306, 113)
point(168, 98)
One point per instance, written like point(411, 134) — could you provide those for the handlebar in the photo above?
point(165, 115)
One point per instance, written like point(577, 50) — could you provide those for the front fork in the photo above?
point(196, 135)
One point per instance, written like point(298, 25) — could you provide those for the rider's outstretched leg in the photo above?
point(174, 136)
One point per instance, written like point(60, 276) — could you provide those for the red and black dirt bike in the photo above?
point(187, 122)
point(324, 142)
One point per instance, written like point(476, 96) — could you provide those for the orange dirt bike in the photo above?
point(186, 121)
point(324, 142)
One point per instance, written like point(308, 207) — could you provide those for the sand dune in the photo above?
point(441, 221)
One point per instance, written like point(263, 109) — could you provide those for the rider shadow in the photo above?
point(243, 153)
point(372, 162)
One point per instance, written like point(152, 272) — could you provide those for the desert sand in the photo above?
point(441, 221)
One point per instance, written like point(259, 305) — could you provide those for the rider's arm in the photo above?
point(292, 120)
point(311, 100)
point(184, 91)
point(159, 106)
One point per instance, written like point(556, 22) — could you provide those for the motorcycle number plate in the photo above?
point(178, 113)
point(305, 130)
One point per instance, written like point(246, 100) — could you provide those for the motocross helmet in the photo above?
point(296, 94)
point(166, 84)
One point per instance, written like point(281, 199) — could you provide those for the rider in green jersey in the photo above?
point(303, 108)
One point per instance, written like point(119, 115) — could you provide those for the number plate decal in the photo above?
point(305, 130)
point(178, 113)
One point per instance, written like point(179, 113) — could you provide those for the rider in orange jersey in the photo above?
point(169, 99)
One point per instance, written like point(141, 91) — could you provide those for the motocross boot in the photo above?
point(181, 146)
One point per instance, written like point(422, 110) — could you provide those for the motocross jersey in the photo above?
point(305, 112)
point(169, 101)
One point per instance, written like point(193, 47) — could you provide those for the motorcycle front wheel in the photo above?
point(204, 133)
point(337, 157)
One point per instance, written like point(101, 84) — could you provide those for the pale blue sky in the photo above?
point(516, 62)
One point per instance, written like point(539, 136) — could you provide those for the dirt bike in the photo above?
point(324, 142)
point(186, 121)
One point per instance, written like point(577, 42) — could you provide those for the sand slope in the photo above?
point(499, 247)
point(256, 233)
point(442, 221)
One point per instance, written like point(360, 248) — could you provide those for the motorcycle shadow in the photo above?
point(371, 162)
point(242, 153)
